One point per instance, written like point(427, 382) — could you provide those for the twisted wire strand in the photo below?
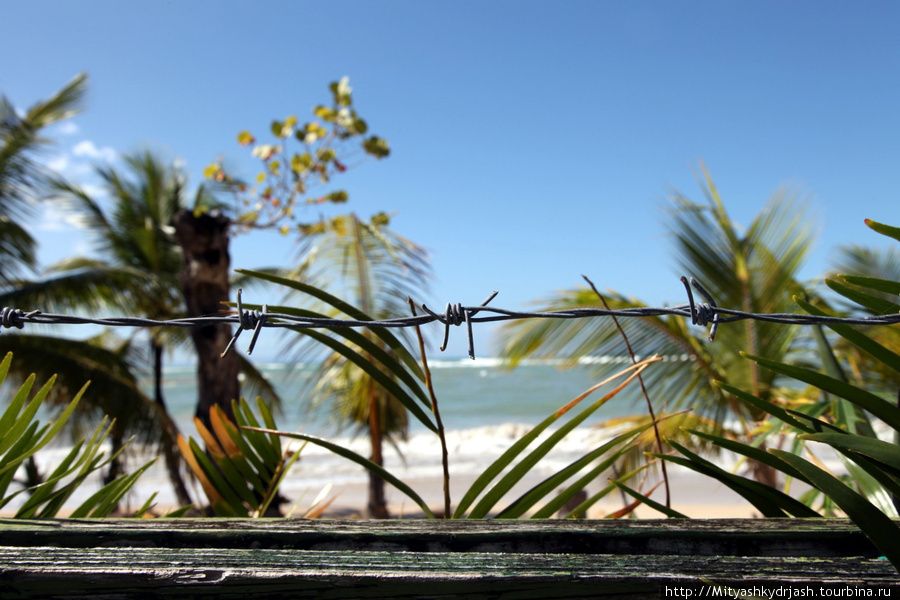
point(701, 314)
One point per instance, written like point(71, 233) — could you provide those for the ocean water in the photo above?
point(484, 406)
point(471, 394)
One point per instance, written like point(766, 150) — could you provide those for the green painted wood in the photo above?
point(207, 558)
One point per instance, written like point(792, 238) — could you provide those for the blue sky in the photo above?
point(532, 142)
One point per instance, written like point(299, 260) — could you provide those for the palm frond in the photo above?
point(114, 391)
point(81, 283)
point(64, 104)
point(17, 250)
point(22, 177)
point(376, 270)
point(753, 269)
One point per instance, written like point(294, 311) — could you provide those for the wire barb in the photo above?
point(702, 314)
point(248, 319)
point(457, 314)
point(13, 317)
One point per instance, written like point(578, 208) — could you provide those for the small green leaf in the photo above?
point(338, 197)
point(892, 232)
point(11, 424)
point(879, 285)
point(326, 155)
point(377, 147)
point(324, 113)
point(877, 305)
point(277, 127)
point(245, 138)
point(4, 366)
point(11, 414)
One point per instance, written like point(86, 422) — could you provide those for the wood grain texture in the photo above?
point(276, 558)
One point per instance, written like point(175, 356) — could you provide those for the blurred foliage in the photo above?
point(23, 177)
point(301, 158)
point(753, 269)
point(21, 438)
point(845, 412)
point(240, 469)
point(383, 357)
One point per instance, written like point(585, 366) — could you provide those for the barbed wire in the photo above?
point(701, 314)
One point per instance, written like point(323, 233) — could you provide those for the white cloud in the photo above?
point(88, 149)
point(56, 219)
point(95, 191)
point(73, 168)
point(59, 164)
point(68, 128)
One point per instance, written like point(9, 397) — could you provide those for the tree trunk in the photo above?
point(204, 282)
point(117, 441)
point(377, 501)
point(158, 374)
point(170, 450)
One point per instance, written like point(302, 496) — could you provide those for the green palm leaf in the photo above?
point(22, 177)
point(525, 502)
point(877, 526)
point(520, 469)
point(344, 307)
point(669, 512)
point(870, 402)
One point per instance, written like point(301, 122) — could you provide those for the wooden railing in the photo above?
point(279, 558)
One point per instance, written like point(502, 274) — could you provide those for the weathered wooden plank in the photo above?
point(734, 537)
point(246, 559)
point(242, 573)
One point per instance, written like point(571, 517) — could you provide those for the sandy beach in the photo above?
point(691, 494)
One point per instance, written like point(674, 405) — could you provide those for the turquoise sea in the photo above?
point(471, 393)
point(485, 408)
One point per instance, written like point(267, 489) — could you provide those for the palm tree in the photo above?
point(137, 242)
point(139, 272)
point(377, 270)
point(22, 178)
point(754, 270)
point(114, 389)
